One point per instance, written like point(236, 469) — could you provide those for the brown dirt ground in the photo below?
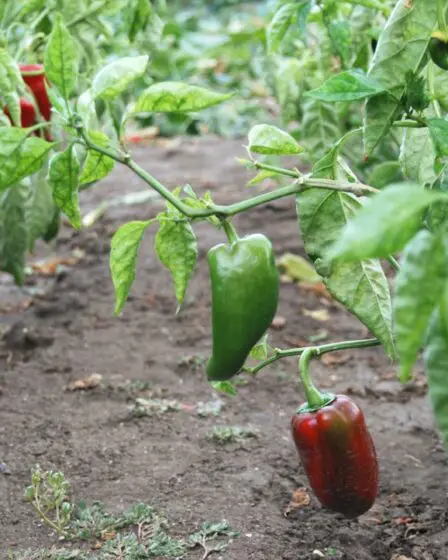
point(166, 460)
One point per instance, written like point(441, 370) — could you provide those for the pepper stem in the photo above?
point(315, 398)
point(230, 231)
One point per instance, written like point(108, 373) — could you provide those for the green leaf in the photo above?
point(341, 39)
point(123, 257)
point(418, 156)
point(437, 216)
point(260, 177)
point(438, 129)
point(11, 145)
point(361, 287)
point(32, 156)
point(177, 249)
point(260, 350)
point(298, 268)
point(279, 25)
point(61, 59)
point(320, 127)
point(347, 86)
point(54, 226)
point(63, 176)
point(97, 165)
point(177, 97)
point(435, 359)
point(86, 107)
point(384, 174)
point(117, 76)
point(13, 239)
point(137, 17)
point(385, 224)
point(402, 47)
point(287, 87)
point(10, 81)
point(225, 387)
point(419, 283)
point(267, 139)
point(40, 209)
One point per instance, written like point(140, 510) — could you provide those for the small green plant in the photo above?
point(50, 554)
point(230, 434)
point(210, 532)
point(149, 407)
point(48, 494)
point(138, 533)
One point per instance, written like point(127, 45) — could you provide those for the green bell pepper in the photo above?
point(245, 290)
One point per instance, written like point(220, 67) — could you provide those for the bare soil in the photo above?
point(61, 328)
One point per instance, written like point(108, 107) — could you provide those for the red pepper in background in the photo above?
point(336, 449)
point(34, 77)
point(28, 113)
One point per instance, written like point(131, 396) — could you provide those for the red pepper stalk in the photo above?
point(335, 447)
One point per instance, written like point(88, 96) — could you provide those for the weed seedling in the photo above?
point(230, 434)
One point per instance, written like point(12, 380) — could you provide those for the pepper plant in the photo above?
point(350, 228)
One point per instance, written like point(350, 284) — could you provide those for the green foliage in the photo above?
point(97, 165)
point(136, 533)
point(123, 258)
point(116, 77)
point(14, 234)
point(266, 139)
point(361, 286)
point(386, 224)
point(177, 249)
point(230, 434)
point(419, 283)
point(436, 364)
point(352, 85)
point(63, 176)
point(61, 59)
point(401, 48)
point(175, 97)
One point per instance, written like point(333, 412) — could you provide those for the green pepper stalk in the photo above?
point(315, 399)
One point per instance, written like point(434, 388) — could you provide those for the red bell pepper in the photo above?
point(34, 77)
point(336, 449)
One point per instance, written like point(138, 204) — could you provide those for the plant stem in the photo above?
point(301, 184)
point(314, 398)
point(230, 231)
point(408, 124)
point(318, 351)
point(36, 505)
point(38, 126)
point(395, 264)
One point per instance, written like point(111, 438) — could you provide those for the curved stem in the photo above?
point(230, 231)
point(319, 351)
point(314, 398)
point(38, 126)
